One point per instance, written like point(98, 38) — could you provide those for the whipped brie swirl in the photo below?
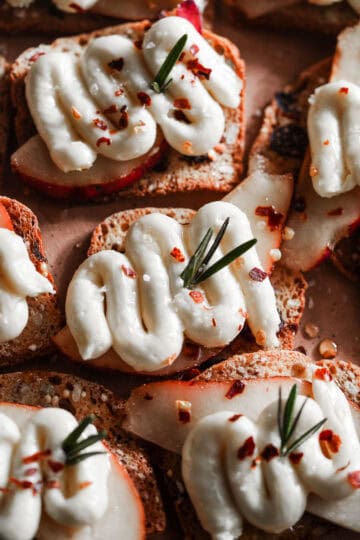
point(32, 483)
point(333, 128)
point(232, 468)
point(99, 100)
point(18, 280)
point(149, 312)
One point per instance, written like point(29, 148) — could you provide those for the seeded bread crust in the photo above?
point(249, 366)
point(44, 315)
point(301, 16)
point(82, 397)
point(176, 173)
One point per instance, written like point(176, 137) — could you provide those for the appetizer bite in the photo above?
point(326, 205)
point(96, 113)
point(62, 477)
point(255, 454)
point(29, 315)
point(163, 290)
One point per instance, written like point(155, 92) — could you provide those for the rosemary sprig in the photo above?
point(73, 447)
point(197, 269)
point(160, 83)
point(287, 424)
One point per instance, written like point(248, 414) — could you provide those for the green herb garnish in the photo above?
point(197, 269)
point(73, 447)
point(160, 83)
point(287, 424)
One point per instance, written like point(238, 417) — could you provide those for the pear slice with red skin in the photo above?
point(5, 219)
point(124, 517)
point(33, 164)
point(319, 223)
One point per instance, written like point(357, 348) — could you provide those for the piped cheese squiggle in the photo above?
point(232, 468)
point(148, 310)
point(102, 103)
point(34, 480)
point(18, 279)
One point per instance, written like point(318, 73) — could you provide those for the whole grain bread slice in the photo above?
point(289, 288)
point(82, 397)
point(249, 366)
point(44, 315)
point(217, 171)
point(300, 15)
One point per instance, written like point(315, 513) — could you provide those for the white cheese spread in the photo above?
point(148, 310)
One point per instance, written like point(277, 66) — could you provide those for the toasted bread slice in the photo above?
point(5, 112)
point(44, 315)
point(298, 14)
point(289, 287)
point(175, 173)
point(82, 397)
point(249, 366)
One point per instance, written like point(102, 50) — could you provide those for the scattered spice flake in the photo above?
point(323, 374)
point(178, 255)
point(75, 113)
point(313, 171)
point(184, 411)
point(330, 442)
point(148, 397)
point(35, 56)
point(103, 140)
point(326, 143)
point(354, 479)
point(255, 462)
point(144, 98)
point(344, 90)
point(23, 484)
point(194, 49)
point(340, 469)
point(180, 116)
point(97, 122)
point(38, 456)
point(274, 218)
point(235, 417)
point(53, 484)
point(182, 103)
point(247, 449)
point(84, 485)
point(213, 321)
point(111, 109)
point(138, 44)
point(198, 69)
point(197, 296)
point(257, 274)
point(55, 466)
point(117, 64)
point(296, 457)
point(119, 92)
point(129, 272)
point(30, 472)
point(187, 146)
point(124, 118)
point(336, 212)
point(235, 389)
point(270, 452)
point(243, 313)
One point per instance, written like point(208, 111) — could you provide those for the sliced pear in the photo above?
point(33, 164)
point(124, 517)
point(258, 193)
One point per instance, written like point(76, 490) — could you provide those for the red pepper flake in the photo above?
point(4, 490)
point(23, 484)
point(144, 98)
point(75, 113)
point(119, 92)
point(129, 272)
point(296, 457)
point(117, 64)
point(247, 449)
point(326, 143)
point(55, 466)
point(235, 389)
point(124, 118)
point(323, 374)
point(103, 140)
point(197, 296)
point(198, 69)
point(255, 462)
point(336, 212)
point(330, 442)
point(177, 254)
point(235, 417)
point(112, 109)
point(181, 57)
point(354, 479)
point(38, 456)
point(182, 103)
point(100, 124)
point(274, 218)
point(257, 274)
point(344, 90)
point(194, 49)
point(181, 117)
point(76, 7)
point(30, 472)
point(243, 313)
point(35, 56)
point(84, 485)
point(138, 44)
point(148, 397)
point(213, 321)
point(53, 484)
point(270, 452)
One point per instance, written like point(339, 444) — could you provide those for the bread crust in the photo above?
point(82, 397)
point(45, 318)
point(175, 173)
